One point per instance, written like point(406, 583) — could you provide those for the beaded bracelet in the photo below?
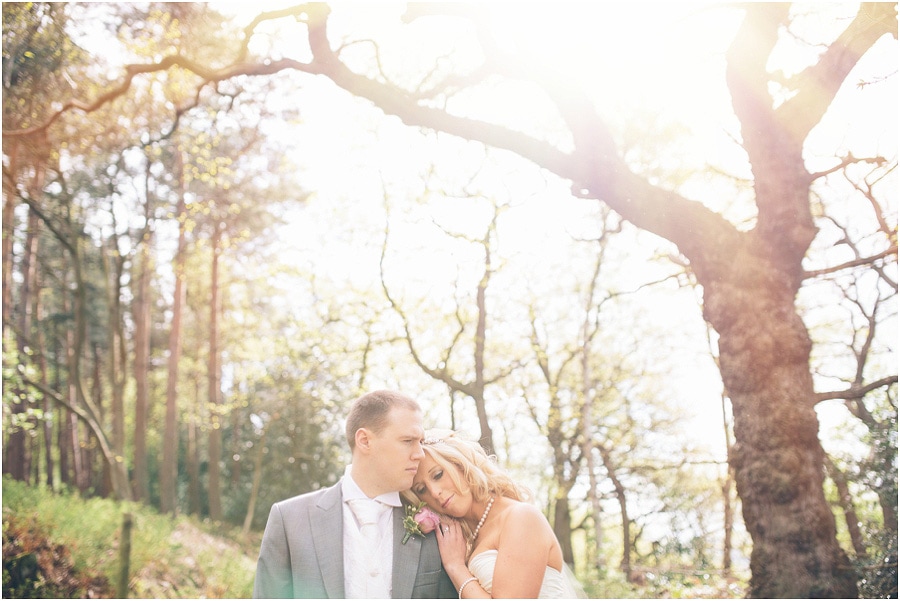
point(463, 585)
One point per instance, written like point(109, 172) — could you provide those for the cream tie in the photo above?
point(367, 512)
point(375, 582)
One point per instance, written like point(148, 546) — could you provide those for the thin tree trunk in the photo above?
point(78, 475)
point(113, 264)
point(474, 389)
point(72, 397)
point(79, 399)
point(487, 436)
point(257, 479)
point(593, 486)
point(562, 522)
point(623, 509)
point(215, 431)
point(60, 345)
point(193, 457)
point(727, 500)
point(728, 523)
point(845, 500)
point(141, 317)
point(104, 485)
point(236, 456)
point(42, 367)
point(9, 226)
point(141, 368)
point(62, 424)
point(169, 467)
point(142, 324)
point(588, 395)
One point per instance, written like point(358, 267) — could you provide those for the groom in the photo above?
point(346, 541)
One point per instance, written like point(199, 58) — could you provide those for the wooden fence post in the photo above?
point(124, 556)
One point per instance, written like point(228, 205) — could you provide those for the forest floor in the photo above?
point(62, 546)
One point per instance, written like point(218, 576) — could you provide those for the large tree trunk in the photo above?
point(777, 457)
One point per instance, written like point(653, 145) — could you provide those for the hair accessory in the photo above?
point(437, 435)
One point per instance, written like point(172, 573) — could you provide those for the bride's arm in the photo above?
point(522, 553)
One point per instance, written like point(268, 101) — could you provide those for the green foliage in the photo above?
point(169, 557)
point(36, 51)
point(878, 573)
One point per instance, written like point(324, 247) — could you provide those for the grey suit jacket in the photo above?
point(302, 553)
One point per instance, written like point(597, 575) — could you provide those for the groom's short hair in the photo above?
point(371, 411)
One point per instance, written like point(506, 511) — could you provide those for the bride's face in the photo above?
point(433, 485)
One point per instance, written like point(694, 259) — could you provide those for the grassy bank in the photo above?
point(76, 544)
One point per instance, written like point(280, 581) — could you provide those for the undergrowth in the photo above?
point(170, 557)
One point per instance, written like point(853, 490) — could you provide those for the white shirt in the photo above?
point(367, 571)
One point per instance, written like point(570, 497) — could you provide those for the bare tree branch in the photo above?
point(856, 391)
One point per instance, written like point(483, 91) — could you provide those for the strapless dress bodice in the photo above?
point(482, 567)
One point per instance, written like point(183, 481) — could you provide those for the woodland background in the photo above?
point(647, 258)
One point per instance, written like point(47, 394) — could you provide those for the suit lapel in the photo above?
point(327, 523)
point(406, 559)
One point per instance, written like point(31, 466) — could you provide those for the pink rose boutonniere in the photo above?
point(419, 520)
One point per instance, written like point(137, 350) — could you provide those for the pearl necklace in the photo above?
point(484, 515)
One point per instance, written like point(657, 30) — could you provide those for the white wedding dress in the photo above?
point(555, 585)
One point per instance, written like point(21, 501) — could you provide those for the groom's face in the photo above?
point(397, 450)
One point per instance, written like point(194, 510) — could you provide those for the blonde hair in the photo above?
point(473, 469)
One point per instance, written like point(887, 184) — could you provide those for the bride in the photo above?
point(493, 544)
